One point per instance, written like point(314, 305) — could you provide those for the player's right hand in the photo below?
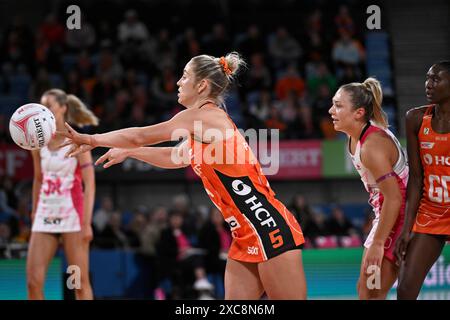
point(114, 156)
point(79, 142)
point(401, 246)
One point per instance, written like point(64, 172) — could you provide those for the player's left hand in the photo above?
point(374, 257)
point(113, 156)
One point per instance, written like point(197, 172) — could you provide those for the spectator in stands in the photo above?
point(289, 81)
point(22, 49)
point(259, 109)
point(8, 197)
point(164, 88)
point(303, 127)
point(149, 239)
point(136, 228)
point(150, 236)
point(114, 234)
point(302, 211)
point(52, 30)
point(188, 46)
point(102, 214)
point(5, 137)
point(317, 226)
point(81, 39)
point(321, 118)
point(289, 109)
point(13, 52)
point(108, 63)
point(338, 224)
point(217, 42)
point(134, 38)
point(314, 22)
point(74, 85)
point(164, 54)
point(138, 116)
point(317, 51)
point(349, 75)
point(191, 219)
point(5, 235)
point(84, 65)
point(369, 216)
point(252, 42)
point(49, 44)
point(41, 84)
point(274, 121)
point(20, 222)
point(215, 238)
point(103, 98)
point(179, 261)
point(284, 49)
point(347, 52)
point(106, 34)
point(258, 76)
point(344, 21)
point(132, 29)
point(8, 206)
point(322, 77)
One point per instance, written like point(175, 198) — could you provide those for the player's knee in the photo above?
point(362, 289)
point(35, 281)
point(405, 288)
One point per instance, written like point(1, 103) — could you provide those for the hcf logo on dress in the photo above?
point(242, 189)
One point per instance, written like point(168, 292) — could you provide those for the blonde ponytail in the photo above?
point(78, 114)
point(369, 96)
point(378, 114)
point(220, 72)
point(235, 62)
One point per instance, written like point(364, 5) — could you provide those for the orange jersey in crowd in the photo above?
point(262, 227)
point(433, 216)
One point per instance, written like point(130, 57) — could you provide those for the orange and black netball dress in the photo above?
point(262, 227)
point(433, 216)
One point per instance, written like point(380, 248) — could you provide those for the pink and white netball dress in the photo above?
point(60, 204)
point(376, 198)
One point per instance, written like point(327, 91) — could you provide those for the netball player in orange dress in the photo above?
point(265, 254)
point(427, 224)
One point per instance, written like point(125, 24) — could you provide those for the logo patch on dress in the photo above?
point(427, 145)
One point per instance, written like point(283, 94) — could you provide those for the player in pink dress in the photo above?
point(381, 162)
point(62, 210)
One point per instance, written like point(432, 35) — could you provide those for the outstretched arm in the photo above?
point(182, 124)
point(163, 157)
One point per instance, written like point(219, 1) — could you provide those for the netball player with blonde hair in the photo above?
point(265, 253)
point(62, 209)
point(379, 159)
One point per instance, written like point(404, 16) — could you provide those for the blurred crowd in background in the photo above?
point(127, 71)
